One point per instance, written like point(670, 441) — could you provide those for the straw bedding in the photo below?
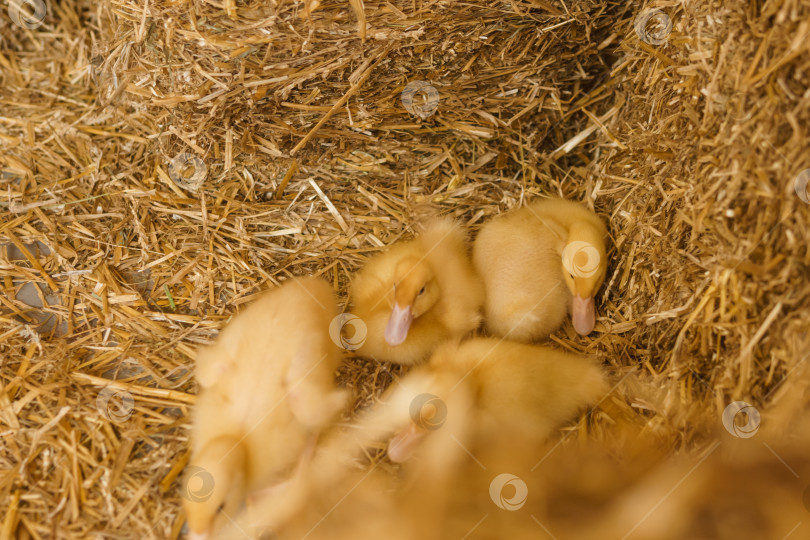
point(691, 147)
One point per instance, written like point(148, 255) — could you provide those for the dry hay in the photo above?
point(690, 148)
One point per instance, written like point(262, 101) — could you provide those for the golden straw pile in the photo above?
point(688, 133)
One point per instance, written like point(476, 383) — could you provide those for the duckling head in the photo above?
point(213, 486)
point(415, 292)
point(426, 410)
point(584, 268)
point(436, 396)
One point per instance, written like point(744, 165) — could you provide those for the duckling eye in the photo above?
point(422, 291)
point(221, 507)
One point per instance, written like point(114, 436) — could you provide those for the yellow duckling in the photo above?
point(539, 262)
point(266, 389)
point(491, 399)
point(524, 389)
point(417, 294)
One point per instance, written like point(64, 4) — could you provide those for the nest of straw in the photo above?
point(116, 263)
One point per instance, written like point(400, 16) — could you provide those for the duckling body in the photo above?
point(266, 389)
point(417, 294)
point(538, 264)
point(527, 390)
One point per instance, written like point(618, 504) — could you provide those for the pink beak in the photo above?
point(583, 315)
point(398, 324)
point(197, 536)
point(402, 446)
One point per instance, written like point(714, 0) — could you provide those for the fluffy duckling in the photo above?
point(525, 389)
point(417, 294)
point(266, 389)
point(493, 399)
point(539, 262)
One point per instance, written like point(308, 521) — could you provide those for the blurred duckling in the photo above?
point(266, 389)
point(539, 262)
point(487, 398)
point(526, 389)
point(417, 294)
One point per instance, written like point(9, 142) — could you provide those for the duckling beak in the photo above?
point(402, 446)
point(197, 536)
point(398, 324)
point(583, 315)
